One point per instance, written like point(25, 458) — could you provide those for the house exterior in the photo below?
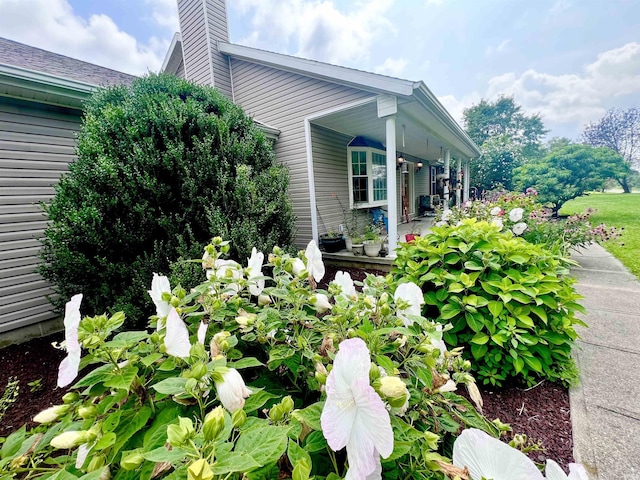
point(342, 132)
point(41, 95)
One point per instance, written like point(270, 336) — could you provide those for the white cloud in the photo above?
point(569, 98)
point(456, 107)
point(165, 13)
point(317, 29)
point(53, 25)
point(393, 67)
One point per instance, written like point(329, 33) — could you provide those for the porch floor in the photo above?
point(343, 258)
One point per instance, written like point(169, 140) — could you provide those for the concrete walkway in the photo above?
point(605, 407)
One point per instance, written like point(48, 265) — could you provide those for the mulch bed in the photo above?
point(542, 413)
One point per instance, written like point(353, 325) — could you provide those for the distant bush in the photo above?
point(163, 166)
point(511, 303)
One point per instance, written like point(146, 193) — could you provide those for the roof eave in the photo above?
point(62, 91)
point(323, 71)
point(430, 101)
point(175, 48)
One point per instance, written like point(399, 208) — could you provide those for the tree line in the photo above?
point(514, 156)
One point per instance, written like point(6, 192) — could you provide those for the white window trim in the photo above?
point(369, 204)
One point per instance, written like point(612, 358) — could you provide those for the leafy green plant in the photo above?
point(511, 303)
point(9, 395)
point(171, 401)
point(35, 385)
point(163, 166)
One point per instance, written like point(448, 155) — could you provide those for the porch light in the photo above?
point(419, 166)
point(405, 168)
point(400, 160)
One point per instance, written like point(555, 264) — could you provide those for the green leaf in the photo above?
point(265, 444)
point(449, 311)
point(386, 363)
point(257, 399)
point(98, 375)
point(473, 265)
point(171, 386)
point(296, 453)
point(12, 443)
point(105, 441)
point(456, 288)
point(131, 423)
point(495, 308)
point(540, 312)
point(534, 363)
point(479, 351)
point(315, 442)
point(161, 454)
point(149, 359)
point(480, 338)
point(310, 415)
point(62, 475)
point(234, 462)
point(122, 378)
point(126, 339)
point(245, 363)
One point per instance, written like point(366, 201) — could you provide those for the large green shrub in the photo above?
point(163, 166)
point(511, 303)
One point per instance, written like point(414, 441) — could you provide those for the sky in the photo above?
point(568, 60)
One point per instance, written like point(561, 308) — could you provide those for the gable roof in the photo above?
point(31, 58)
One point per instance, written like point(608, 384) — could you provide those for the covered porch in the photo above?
point(399, 154)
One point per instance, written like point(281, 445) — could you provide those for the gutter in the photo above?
point(69, 92)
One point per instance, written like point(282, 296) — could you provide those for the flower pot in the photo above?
point(332, 244)
point(348, 242)
point(372, 249)
point(357, 249)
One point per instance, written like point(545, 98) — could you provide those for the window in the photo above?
point(367, 176)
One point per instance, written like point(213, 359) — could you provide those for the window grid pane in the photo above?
point(379, 167)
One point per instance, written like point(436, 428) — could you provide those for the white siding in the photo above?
point(36, 145)
point(283, 100)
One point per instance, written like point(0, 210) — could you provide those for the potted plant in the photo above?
point(357, 247)
point(332, 241)
point(372, 241)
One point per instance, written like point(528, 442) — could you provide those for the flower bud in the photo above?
point(385, 309)
point(70, 397)
point(238, 418)
point(87, 412)
point(178, 434)
point(132, 461)
point(264, 300)
point(287, 404)
point(198, 370)
point(96, 463)
point(213, 424)
point(232, 390)
point(72, 439)
point(276, 413)
point(199, 470)
point(394, 391)
point(51, 414)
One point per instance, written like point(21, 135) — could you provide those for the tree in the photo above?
point(504, 117)
point(568, 172)
point(507, 138)
point(618, 130)
point(500, 156)
point(163, 166)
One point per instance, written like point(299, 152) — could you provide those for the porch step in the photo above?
point(349, 260)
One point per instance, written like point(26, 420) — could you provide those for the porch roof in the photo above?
point(419, 133)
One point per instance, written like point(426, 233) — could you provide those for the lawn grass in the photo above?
point(615, 210)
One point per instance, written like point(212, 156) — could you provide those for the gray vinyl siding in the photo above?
point(283, 100)
point(194, 41)
point(331, 176)
point(36, 145)
point(218, 31)
point(180, 73)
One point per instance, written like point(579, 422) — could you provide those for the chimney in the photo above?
point(203, 23)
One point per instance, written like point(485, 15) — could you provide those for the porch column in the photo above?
point(465, 183)
point(387, 108)
point(392, 212)
point(447, 177)
point(458, 185)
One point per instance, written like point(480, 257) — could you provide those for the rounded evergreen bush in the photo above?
point(163, 166)
point(511, 303)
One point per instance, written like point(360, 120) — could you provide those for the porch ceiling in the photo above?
point(424, 135)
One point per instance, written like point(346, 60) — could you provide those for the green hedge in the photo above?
point(163, 166)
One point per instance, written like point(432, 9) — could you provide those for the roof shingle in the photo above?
point(32, 58)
